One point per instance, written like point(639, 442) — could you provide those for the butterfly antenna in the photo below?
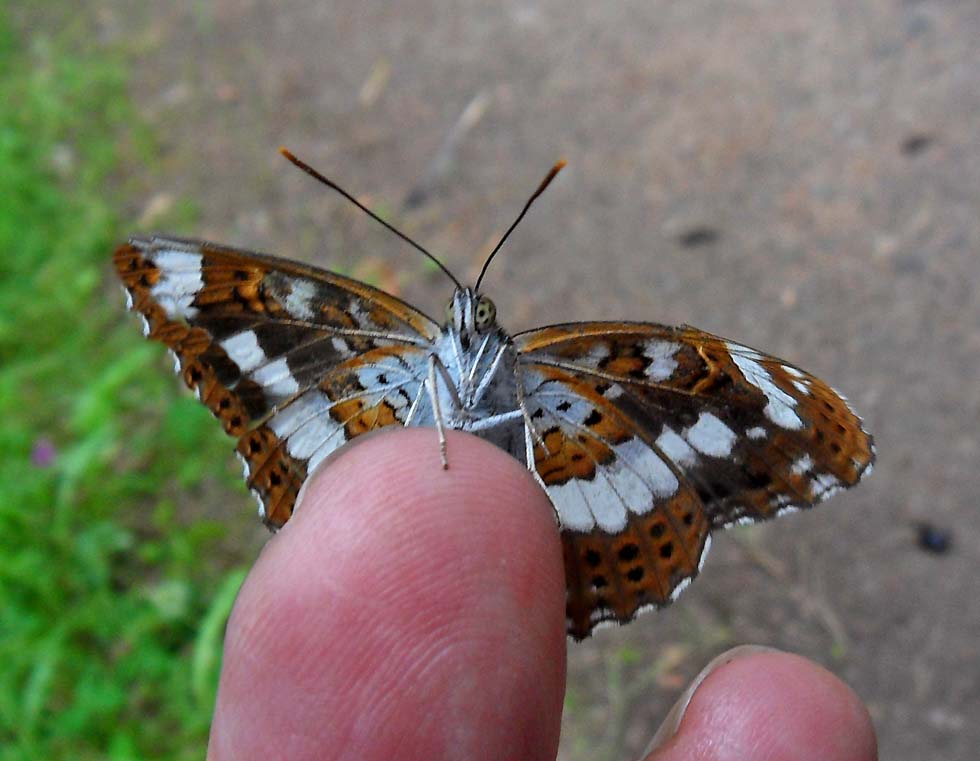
point(334, 186)
point(544, 183)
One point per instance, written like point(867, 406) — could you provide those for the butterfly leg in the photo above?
point(529, 448)
point(437, 410)
point(488, 376)
point(531, 433)
point(413, 410)
point(531, 437)
point(483, 424)
point(436, 366)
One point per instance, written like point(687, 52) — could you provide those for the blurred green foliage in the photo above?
point(112, 600)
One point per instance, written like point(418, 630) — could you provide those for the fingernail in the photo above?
point(676, 714)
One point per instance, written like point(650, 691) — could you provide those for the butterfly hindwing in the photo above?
point(280, 352)
point(634, 531)
point(675, 431)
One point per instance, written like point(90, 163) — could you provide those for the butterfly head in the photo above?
point(470, 314)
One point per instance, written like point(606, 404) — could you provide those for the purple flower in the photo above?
point(43, 453)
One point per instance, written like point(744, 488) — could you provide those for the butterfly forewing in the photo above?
point(648, 436)
point(286, 355)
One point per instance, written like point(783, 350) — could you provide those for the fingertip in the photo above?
point(403, 604)
point(774, 706)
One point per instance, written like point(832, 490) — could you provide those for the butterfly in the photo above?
point(645, 437)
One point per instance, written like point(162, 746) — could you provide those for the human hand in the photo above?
point(414, 613)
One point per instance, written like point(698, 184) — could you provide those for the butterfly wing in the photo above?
point(647, 437)
point(293, 360)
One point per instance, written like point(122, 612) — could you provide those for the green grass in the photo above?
point(112, 598)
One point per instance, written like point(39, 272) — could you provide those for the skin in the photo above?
point(414, 613)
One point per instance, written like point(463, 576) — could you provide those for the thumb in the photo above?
point(757, 703)
point(404, 611)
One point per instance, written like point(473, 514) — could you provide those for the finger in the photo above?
point(404, 611)
point(764, 705)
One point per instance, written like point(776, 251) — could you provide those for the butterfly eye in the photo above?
point(485, 314)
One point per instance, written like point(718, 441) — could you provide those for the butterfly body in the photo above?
point(473, 381)
point(645, 437)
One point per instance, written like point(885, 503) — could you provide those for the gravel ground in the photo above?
point(801, 177)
